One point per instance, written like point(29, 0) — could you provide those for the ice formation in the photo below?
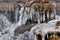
point(7, 28)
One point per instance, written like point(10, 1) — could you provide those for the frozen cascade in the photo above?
point(41, 28)
point(26, 36)
point(30, 36)
point(11, 28)
point(38, 17)
point(25, 14)
point(5, 29)
point(7, 32)
point(50, 25)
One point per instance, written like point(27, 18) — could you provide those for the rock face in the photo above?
point(57, 0)
point(58, 23)
point(21, 30)
point(7, 0)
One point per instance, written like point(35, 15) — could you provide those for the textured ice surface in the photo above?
point(7, 31)
point(7, 28)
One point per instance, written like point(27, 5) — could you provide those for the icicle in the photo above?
point(54, 13)
point(43, 36)
point(49, 15)
point(21, 15)
point(31, 13)
point(46, 16)
point(54, 9)
point(38, 17)
point(42, 16)
point(47, 35)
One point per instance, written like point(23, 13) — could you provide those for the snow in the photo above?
point(7, 31)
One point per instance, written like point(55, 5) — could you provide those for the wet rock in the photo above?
point(24, 28)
